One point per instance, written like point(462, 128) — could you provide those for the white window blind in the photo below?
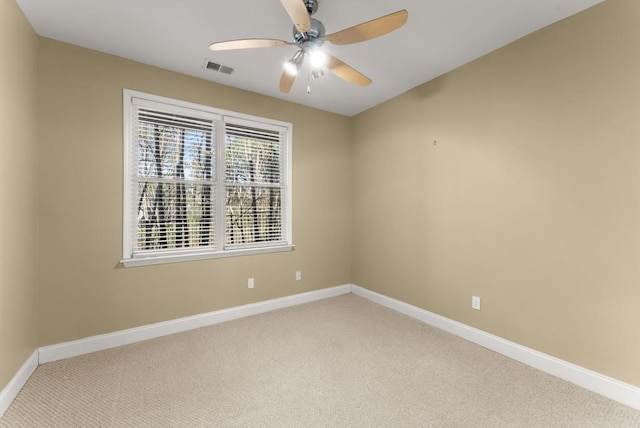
point(254, 186)
point(174, 181)
point(202, 182)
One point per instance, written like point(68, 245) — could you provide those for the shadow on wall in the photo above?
point(429, 89)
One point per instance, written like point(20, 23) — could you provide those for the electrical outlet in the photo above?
point(298, 275)
point(250, 283)
point(475, 303)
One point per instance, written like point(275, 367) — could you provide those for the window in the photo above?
point(202, 183)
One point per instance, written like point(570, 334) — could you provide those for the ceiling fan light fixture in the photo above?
point(293, 65)
point(318, 59)
point(316, 74)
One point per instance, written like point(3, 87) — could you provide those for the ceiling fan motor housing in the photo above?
point(316, 32)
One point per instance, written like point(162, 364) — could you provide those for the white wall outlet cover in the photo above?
point(250, 283)
point(298, 275)
point(475, 302)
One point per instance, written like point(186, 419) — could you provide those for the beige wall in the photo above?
point(18, 175)
point(530, 197)
point(83, 289)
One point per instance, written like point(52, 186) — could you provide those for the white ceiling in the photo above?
point(439, 36)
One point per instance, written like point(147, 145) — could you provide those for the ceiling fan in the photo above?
point(309, 36)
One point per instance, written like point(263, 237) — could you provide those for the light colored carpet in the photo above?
point(340, 362)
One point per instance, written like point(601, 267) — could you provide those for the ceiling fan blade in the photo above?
point(346, 72)
point(298, 13)
point(247, 44)
point(286, 82)
point(370, 29)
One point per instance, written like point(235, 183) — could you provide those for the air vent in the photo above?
point(210, 65)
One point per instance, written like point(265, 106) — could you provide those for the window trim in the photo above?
point(182, 255)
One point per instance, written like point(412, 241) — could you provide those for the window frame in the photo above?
point(221, 117)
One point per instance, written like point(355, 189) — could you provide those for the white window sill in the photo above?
point(176, 258)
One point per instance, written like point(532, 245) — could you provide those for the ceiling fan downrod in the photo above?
point(312, 6)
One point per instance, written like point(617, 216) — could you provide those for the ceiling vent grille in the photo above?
point(210, 65)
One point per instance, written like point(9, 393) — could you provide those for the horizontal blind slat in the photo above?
point(250, 132)
point(173, 119)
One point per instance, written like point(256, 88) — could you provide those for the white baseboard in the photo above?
point(125, 337)
point(593, 381)
point(9, 393)
point(588, 379)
